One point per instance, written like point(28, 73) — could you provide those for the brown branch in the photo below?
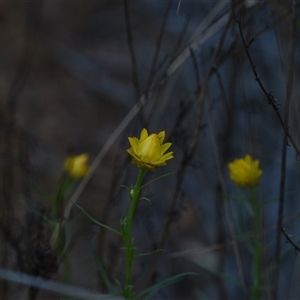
point(269, 95)
point(289, 240)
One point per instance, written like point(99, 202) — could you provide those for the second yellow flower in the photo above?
point(245, 172)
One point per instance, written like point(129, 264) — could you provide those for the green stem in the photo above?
point(60, 195)
point(129, 249)
point(257, 280)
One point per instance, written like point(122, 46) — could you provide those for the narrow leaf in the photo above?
point(148, 253)
point(101, 269)
point(97, 222)
point(154, 289)
point(160, 177)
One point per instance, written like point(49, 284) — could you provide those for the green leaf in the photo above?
point(160, 177)
point(154, 289)
point(123, 226)
point(97, 222)
point(101, 269)
point(147, 199)
point(148, 253)
point(124, 186)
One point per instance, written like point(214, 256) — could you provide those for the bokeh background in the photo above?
point(82, 76)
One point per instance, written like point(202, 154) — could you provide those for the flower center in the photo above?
point(150, 149)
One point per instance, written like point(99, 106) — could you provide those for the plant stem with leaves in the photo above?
point(258, 247)
point(126, 234)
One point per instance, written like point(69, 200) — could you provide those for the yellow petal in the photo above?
point(161, 136)
point(167, 156)
point(165, 147)
point(144, 135)
point(133, 143)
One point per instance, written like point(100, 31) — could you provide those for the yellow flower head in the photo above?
point(149, 152)
point(77, 165)
point(245, 172)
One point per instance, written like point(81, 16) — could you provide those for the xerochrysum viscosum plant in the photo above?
point(148, 152)
point(246, 173)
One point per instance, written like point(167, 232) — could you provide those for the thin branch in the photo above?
point(289, 240)
point(158, 45)
point(196, 70)
point(132, 52)
point(269, 95)
point(181, 36)
point(53, 286)
point(223, 94)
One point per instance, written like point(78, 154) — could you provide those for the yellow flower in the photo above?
point(77, 165)
point(149, 152)
point(245, 172)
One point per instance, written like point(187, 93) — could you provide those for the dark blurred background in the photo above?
point(71, 71)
